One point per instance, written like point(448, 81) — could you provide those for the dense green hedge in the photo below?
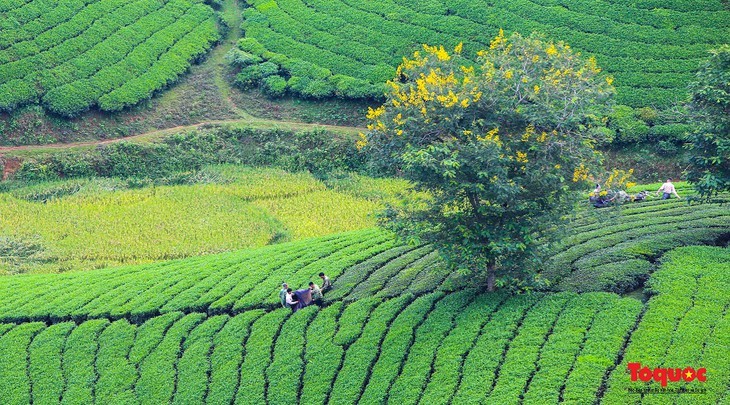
point(685, 325)
point(217, 284)
point(317, 151)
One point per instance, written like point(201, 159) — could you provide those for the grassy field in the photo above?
point(216, 336)
point(350, 48)
point(86, 224)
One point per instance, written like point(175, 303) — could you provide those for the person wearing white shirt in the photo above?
point(667, 189)
point(291, 302)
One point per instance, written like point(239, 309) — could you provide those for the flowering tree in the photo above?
point(498, 145)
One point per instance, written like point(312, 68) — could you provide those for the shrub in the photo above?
point(274, 86)
point(78, 362)
point(157, 372)
point(628, 128)
point(239, 58)
point(227, 356)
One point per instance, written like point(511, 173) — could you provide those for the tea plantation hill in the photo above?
point(350, 48)
point(396, 328)
point(111, 54)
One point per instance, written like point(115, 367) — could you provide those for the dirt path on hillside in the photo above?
point(152, 135)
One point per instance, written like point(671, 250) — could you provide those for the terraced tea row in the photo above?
point(607, 250)
point(350, 48)
point(413, 347)
point(362, 264)
point(279, 357)
point(604, 250)
point(686, 324)
point(109, 53)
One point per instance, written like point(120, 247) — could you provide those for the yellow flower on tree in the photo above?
point(474, 134)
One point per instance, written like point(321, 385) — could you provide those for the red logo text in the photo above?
point(664, 375)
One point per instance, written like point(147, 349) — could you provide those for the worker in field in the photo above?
point(282, 295)
point(667, 189)
point(326, 283)
point(291, 300)
point(316, 293)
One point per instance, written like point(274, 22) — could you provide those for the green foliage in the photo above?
point(604, 339)
point(14, 380)
point(428, 337)
point(485, 357)
point(79, 355)
point(449, 361)
point(45, 363)
point(684, 323)
point(287, 366)
point(459, 347)
point(252, 75)
point(116, 374)
point(395, 346)
point(524, 350)
point(227, 356)
point(360, 356)
point(495, 146)
point(322, 356)
point(317, 151)
point(239, 58)
point(156, 382)
point(107, 53)
point(650, 47)
point(251, 389)
point(709, 145)
point(613, 250)
point(194, 366)
point(274, 86)
point(629, 128)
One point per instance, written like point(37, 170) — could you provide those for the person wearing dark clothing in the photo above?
point(303, 297)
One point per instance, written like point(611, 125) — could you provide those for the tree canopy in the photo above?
point(498, 145)
point(709, 145)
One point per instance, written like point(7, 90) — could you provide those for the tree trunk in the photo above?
point(491, 276)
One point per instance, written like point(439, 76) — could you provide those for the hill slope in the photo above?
point(108, 53)
point(651, 48)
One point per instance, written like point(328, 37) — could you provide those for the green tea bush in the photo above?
point(156, 382)
point(458, 347)
point(45, 371)
point(227, 356)
point(274, 86)
point(116, 374)
point(79, 355)
point(317, 151)
point(194, 366)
